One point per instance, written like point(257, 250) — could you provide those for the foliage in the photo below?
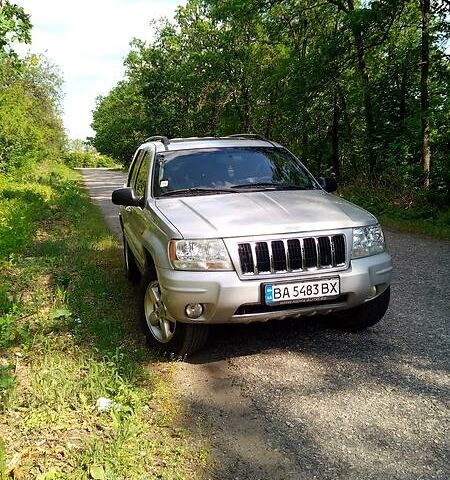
point(15, 26)
point(81, 154)
point(404, 211)
point(31, 129)
point(68, 335)
point(337, 81)
point(118, 139)
point(90, 159)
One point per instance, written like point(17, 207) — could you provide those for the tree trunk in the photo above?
point(335, 136)
point(368, 105)
point(245, 115)
point(424, 90)
point(402, 103)
point(347, 133)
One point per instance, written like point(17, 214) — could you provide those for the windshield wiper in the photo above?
point(270, 185)
point(195, 190)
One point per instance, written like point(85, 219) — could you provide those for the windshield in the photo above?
point(221, 170)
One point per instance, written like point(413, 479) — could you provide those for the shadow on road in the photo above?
point(336, 405)
point(381, 356)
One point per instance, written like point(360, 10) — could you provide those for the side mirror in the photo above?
point(329, 184)
point(126, 197)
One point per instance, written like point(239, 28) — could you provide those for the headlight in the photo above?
point(367, 241)
point(199, 255)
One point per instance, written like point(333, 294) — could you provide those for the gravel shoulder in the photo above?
point(297, 400)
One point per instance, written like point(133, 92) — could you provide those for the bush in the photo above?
point(31, 130)
point(90, 159)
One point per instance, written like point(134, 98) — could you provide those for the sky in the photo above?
point(88, 40)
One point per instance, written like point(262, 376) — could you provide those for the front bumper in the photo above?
point(223, 293)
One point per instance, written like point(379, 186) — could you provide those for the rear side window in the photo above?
point(135, 168)
point(142, 176)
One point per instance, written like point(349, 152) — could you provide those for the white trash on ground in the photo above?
point(104, 404)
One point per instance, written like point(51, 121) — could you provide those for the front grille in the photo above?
point(246, 258)
point(292, 255)
point(262, 256)
point(310, 250)
point(338, 244)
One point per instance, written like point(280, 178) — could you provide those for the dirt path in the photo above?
point(295, 400)
point(100, 182)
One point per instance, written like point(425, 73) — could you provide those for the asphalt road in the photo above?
point(297, 400)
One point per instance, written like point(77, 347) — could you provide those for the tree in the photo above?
point(15, 26)
point(31, 129)
point(424, 87)
point(338, 81)
point(120, 121)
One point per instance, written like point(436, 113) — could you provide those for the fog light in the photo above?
point(372, 292)
point(194, 310)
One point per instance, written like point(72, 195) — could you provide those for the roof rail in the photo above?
point(256, 136)
point(159, 138)
point(166, 142)
point(192, 139)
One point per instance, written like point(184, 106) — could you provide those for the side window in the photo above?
point(142, 177)
point(135, 168)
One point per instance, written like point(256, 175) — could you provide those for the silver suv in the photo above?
point(235, 230)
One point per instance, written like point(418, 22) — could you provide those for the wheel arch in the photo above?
point(150, 264)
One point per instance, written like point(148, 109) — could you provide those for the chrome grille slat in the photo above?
point(333, 257)
point(286, 252)
point(290, 255)
point(302, 246)
point(255, 263)
point(270, 257)
point(317, 253)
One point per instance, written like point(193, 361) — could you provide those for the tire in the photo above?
point(362, 316)
point(132, 271)
point(165, 335)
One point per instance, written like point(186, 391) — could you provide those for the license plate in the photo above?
point(301, 291)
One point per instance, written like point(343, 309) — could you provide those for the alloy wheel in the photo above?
point(160, 326)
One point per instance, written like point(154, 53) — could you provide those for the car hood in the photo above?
point(261, 213)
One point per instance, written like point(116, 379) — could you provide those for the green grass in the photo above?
point(69, 334)
point(409, 215)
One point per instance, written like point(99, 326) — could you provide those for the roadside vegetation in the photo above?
point(81, 397)
point(409, 212)
point(69, 336)
point(81, 153)
point(356, 89)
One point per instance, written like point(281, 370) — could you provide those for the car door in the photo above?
point(126, 212)
point(136, 218)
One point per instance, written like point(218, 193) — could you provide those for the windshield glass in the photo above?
point(228, 169)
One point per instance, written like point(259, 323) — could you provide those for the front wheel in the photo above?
point(363, 316)
point(164, 334)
